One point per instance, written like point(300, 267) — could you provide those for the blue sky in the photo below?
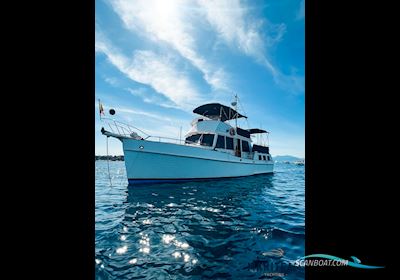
point(157, 60)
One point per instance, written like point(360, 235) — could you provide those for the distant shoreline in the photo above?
point(284, 159)
point(112, 158)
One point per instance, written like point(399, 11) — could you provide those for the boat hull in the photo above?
point(155, 162)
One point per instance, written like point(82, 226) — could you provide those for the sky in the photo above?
point(157, 60)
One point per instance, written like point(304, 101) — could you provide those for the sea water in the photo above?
point(242, 228)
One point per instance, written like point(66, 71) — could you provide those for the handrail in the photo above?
point(126, 130)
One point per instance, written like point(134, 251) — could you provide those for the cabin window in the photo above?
point(259, 157)
point(207, 140)
point(220, 142)
point(192, 139)
point(229, 143)
point(264, 158)
point(245, 146)
point(268, 157)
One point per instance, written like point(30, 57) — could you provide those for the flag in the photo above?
point(101, 110)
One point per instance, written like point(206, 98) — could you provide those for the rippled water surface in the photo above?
point(245, 228)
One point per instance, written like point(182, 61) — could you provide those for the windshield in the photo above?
point(205, 139)
point(192, 139)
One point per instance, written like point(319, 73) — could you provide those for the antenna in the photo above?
point(242, 108)
point(234, 103)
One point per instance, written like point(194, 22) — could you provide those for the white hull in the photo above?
point(159, 161)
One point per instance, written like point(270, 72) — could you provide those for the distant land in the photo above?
point(276, 158)
point(112, 158)
point(287, 158)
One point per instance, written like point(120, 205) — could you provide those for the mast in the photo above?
point(236, 109)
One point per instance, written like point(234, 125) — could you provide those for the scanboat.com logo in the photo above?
point(328, 260)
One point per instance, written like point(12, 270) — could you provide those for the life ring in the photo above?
point(232, 131)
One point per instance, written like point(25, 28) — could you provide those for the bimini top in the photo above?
point(216, 110)
point(256, 130)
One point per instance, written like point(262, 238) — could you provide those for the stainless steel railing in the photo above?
point(131, 131)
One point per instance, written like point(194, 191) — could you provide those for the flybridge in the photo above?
point(217, 111)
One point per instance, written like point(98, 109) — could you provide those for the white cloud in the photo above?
point(112, 81)
point(157, 71)
point(240, 29)
point(302, 11)
point(170, 22)
point(292, 83)
point(151, 98)
point(147, 114)
point(236, 27)
point(175, 23)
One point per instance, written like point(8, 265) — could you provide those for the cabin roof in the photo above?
point(213, 110)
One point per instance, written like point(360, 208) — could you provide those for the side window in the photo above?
point(192, 139)
point(245, 146)
point(229, 143)
point(259, 157)
point(207, 140)
point(268, 157)
point(220, 142)
point(264, 158)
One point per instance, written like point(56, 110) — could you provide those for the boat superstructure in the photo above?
point(212, 148)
